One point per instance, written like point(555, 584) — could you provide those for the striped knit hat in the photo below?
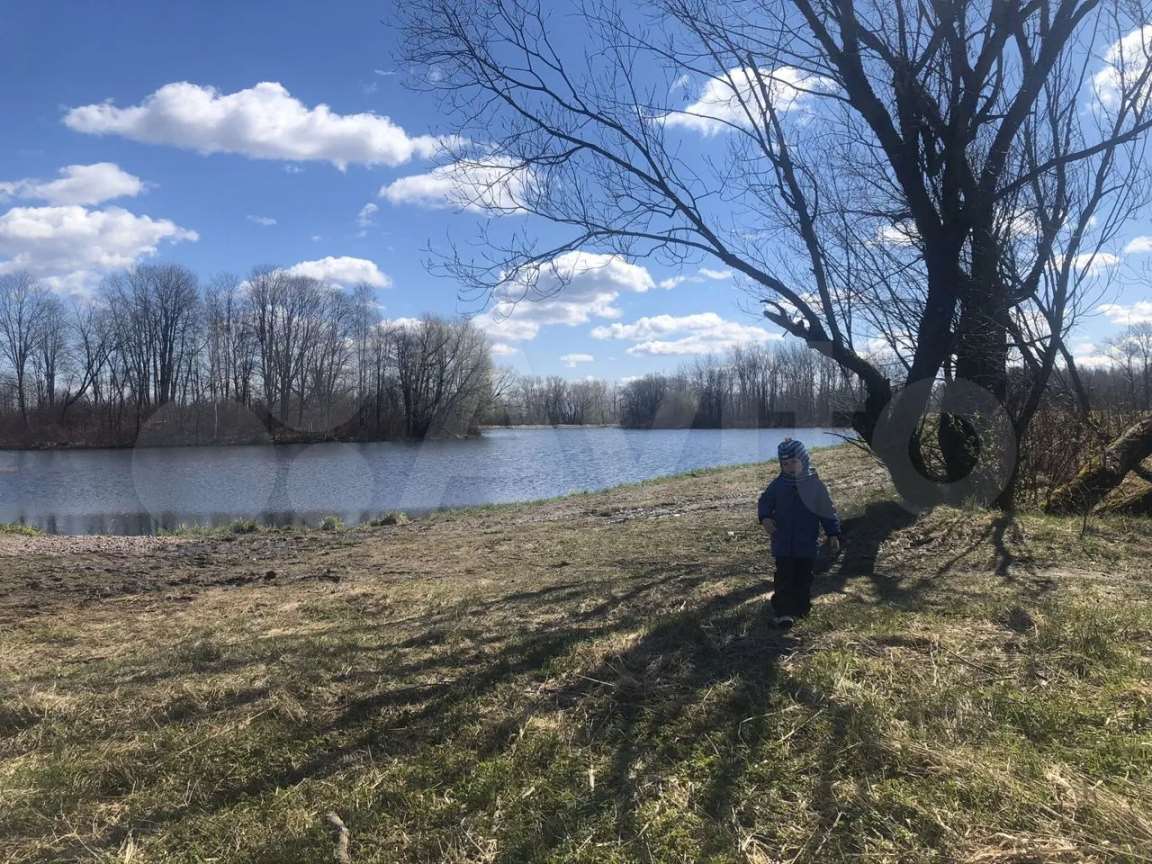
point(790, 448)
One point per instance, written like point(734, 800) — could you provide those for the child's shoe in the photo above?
point(784, 621)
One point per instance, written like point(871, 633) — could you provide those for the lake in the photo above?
point(146, 490)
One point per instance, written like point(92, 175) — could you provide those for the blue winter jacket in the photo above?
point(799, 510)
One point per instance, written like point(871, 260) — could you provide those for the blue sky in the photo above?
point(139, 191)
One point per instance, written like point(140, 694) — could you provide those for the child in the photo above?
point(792, 509)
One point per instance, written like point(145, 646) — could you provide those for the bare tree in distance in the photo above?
point(945, 177)
point(24, 306)
point(156, 312)
point(51, 359)
point(94, 343)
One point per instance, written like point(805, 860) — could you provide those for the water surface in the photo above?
point(146, 490)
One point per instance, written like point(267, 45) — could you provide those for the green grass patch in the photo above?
point(19, 529)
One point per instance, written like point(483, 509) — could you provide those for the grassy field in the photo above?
point(591, 679)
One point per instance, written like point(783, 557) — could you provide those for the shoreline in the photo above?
point(47, 447)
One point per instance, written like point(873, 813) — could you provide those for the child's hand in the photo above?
point(833, 547)
point(769, 526)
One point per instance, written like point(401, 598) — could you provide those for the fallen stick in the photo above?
point(341, 839)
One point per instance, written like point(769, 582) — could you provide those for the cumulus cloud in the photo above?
point(1138, 245)
point(1090, 356)
point(500, 349)
point(726, 99)
point(704, 274)
point(1139, 312)
point(265, 221)
point(703, 333)
point(342, 271)
point(483, 185)
point(1125, 61)
point(262, 122)
point(70, 245)
point(1093, 263)
point(498, 324)
point(571, 289)
point(77, 184)
point(574, 360)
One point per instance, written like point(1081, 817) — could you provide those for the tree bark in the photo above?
point(1136, 503)
point(1100, 477)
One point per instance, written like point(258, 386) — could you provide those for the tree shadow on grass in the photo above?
point(863, 537)
point(706, 667)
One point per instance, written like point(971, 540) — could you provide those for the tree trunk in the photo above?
point(1135, 503)
point(1100, 477)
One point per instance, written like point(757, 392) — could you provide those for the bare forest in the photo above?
point(157, 358)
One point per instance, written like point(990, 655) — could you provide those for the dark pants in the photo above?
point(792, 586)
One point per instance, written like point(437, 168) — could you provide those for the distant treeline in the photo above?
point(158, 358)
point(782, 385)
point(757, 386)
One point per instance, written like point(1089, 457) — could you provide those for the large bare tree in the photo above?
point(944, 176)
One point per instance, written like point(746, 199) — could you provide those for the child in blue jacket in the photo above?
point(792, 509)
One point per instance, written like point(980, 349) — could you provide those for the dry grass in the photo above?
point(590, 679)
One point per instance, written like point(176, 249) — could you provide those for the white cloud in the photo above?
point(480, 185)
point(880, 346)
point(498, 325)
point(571, 289)
point(726, 100)
point(1139, 312)
point(293, 169)
point(582, 275)
point(72, 244)
point(1138, 245)
point(499, 349)
point(366, 217)
point(342, 271)
point(703, 333)
point(1125, 62)
point(902, 233)
point(265, 221)
point(574, 360)
point(718, 275)
point(78, 184)
point(400, 323)
point(1089, 356)
point(1092, 263)
point(262, 122)
point(704, 274)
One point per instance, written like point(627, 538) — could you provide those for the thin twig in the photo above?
point(341, 853)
